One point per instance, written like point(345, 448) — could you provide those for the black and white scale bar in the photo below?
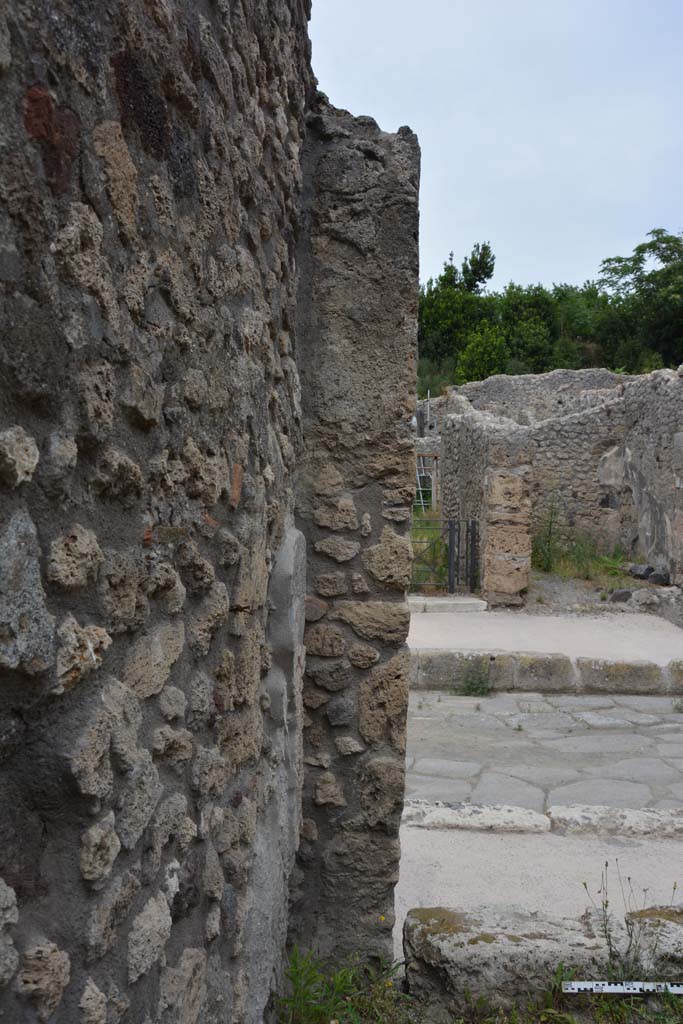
point(624, 988)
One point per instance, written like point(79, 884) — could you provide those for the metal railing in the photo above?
point(445, 555)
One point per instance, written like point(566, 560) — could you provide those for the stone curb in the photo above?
point(435, 669)
point(458, 603)
point(580, 818)
point(474, 817)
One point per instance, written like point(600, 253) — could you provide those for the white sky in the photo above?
point(551, 129)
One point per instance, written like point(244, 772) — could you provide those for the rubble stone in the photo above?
point(148, 936)
point(18, 456)
point(44, 974)
point(74, 558)
point(26, 627)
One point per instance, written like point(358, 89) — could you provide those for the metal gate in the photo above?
point(445, 555)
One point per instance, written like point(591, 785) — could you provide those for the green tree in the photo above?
point(649, 284)
point(485, 354)
point(630, 319)
point(448, 310)
point(530, 346)
point(478, 267)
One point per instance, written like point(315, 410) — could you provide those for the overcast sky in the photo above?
point(551, 128)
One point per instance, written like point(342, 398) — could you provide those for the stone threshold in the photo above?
point(472, 671)
point(578, 818)
point(453, 603)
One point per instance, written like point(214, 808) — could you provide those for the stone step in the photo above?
point(455, 671)
point(508, 956)
point(453, 603)
point(579, 818)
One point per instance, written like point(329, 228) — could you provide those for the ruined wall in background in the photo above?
point(152, 580)
point(527, 398)
point(357, 352)
point(611, 469)
point(486, 475)
point(569, 486)
point(652, 465)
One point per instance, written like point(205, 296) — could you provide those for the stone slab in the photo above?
point(494, 788)
point(619, 821)
point(508, 956)
point(439, 668)
point(455, 604)
point(421, 814)
point(605, 792)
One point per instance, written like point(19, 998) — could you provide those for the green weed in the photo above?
point(354, 993)
point(575, 557)
point(475, 684)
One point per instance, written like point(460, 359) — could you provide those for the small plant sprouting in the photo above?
point(352, 993)
point(475, 684)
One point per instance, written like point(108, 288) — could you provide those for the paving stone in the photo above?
point(430, 787)
point(445, 768)
point(602, 793)
point(676, 791)
point(638, 769)
point(597, 721)
point(600, 743)
point(638, 718)
point(535, 706)
point(651, 705)
point(496, 788)
point(669, 749)
point(541, 775)
point(551, 720)
point(571, 703)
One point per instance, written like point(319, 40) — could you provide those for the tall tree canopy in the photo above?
point(630, 319)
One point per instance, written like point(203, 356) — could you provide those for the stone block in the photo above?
point(544, 673)
point(451, 670)
point(337, 548)
point(74, 558)
point(383, 703)
point(80, 651)
point(43, 975)
point(100, 847)
point(638, 677)
point(150, 659)
point(675, 674)
point(390, 560)
point(506, 539)
point(504, 956)
point(26, 627)
point(18, 456)
point(324, 641)
point(502, 669)
point(387, 621)
point(148, 936)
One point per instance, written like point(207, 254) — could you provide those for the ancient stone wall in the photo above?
point(153, 578)
point(486, 475)
point(648, 467)
point(529, 397)
point(357, 354)
point(568, 486)
point(611, 469)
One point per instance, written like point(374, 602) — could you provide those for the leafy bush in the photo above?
point(577, 557)
point(354, 993)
